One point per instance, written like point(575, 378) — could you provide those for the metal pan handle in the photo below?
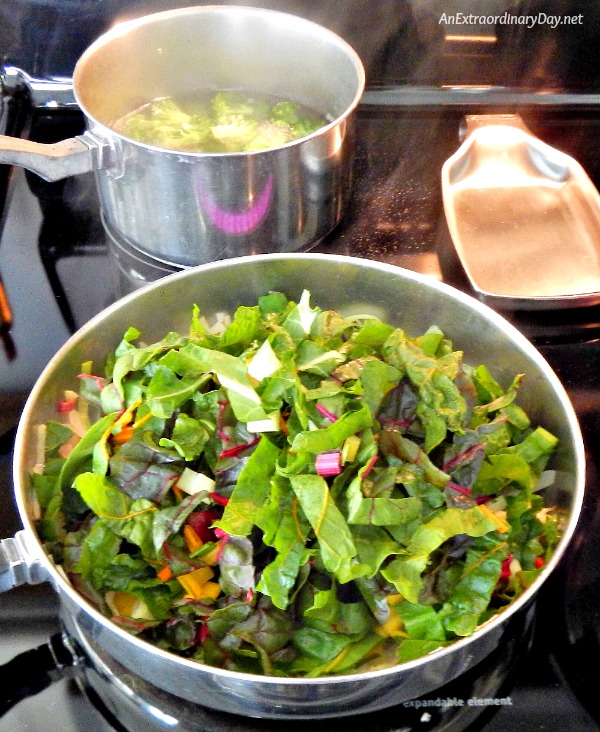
point(50, 93)
point(34, 670)
point(52, 162)
point(19, 563)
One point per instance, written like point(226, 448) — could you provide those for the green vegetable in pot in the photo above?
point(225, 122)
point(296, 492)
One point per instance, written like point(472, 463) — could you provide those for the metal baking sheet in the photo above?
point(524, 218)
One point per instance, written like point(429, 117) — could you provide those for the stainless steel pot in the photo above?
point(190, 208)
point(350, 285)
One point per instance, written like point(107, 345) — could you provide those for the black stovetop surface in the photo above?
point(395, 216)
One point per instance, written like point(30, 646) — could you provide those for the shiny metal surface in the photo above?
point(50, 92)
point(524, 217)
point(133, 268)
point(139, 705)
point(18, 562)
point(55, 161)
point(190, 208)
point(350, 285)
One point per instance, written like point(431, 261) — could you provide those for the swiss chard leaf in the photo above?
point(137, 528)
point(286, 529)
point(421, 622)
point(267, 629)
point(80, 458)
point(374, 545)
point(410, 649)
point(166, 392)
point(243, 328)
point(377, 380)
point(299, 319)
point(373, 332)
point(393, 443)
point(317, 359)
point(442, 406)
point(189, 436)
point(330, 614)
point(143, 469)
point(379, 510)
point(102, 496)
point(99, 548)
point(131, 359)
point(237, 566)
point(168, 521)
point(319, 645)
point(405, 573)
point(251, 490)
point(333, 534)
point(231, 371)
point(471, 595)
point(56, 436)
point(331, 437)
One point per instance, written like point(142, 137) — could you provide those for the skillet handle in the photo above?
point(19, 563)
point(34, 670)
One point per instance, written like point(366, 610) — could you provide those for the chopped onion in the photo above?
point(264, 362)
point(192, 482)
point(220, 323)
point(329, 463)
point(77, 423)
point(307, 315)
point(40, 449)
point(370, 313)
point(35, 510)
point(67, 448)
point(271, 424)
point(542, 514)
point(515, 567)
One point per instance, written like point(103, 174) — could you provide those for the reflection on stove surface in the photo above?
point(395, 216)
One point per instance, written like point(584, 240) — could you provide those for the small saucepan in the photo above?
point(186, 208)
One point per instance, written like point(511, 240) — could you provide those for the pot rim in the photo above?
point(61, 583)
point(127, 26)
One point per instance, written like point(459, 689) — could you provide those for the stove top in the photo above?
point(57, 273)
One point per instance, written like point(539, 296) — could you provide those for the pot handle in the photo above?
point(44, 93)
point(53, 162)
point(56, 161)
point(34, 670)
point(19, 563)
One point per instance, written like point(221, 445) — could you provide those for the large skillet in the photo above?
point(342, 283)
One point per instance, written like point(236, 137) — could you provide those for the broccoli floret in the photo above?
point(285, 112)
point(167, 111)
point(234, 134)
point(270, 134)
point(299, 124)
point(165, 124)
point(230, 122)
point(228, 105)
